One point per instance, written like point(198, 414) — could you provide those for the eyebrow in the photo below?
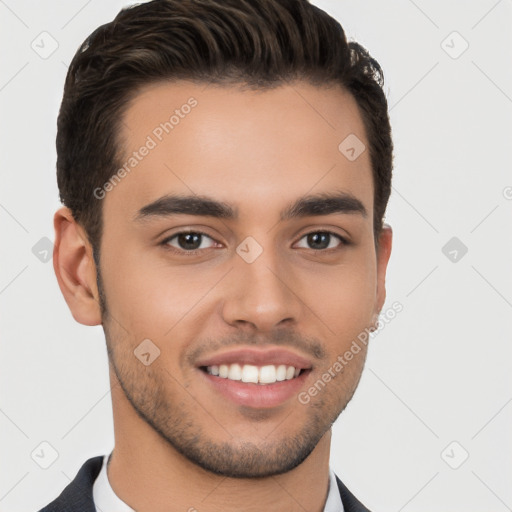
point(306, 206)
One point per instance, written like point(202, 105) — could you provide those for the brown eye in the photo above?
point(190, 241)
point(320, 240)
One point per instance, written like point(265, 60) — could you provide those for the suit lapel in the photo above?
point(350, 502)
point(78, 494)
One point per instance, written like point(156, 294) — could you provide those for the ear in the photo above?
point(75, 268)
point(383, 254)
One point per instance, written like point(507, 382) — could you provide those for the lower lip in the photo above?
point(258, 396)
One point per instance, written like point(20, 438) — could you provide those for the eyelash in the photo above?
point(166, 246)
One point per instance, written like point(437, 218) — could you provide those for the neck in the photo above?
point(148, 474)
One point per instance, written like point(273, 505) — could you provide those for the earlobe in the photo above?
point(75, 268)
point(383, 254)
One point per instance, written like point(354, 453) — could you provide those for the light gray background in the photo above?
point(438, 373)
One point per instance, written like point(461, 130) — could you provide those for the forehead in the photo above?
point(241, 146)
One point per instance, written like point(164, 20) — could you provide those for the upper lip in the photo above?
point(257, 357)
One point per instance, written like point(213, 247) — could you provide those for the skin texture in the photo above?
point(179, 443)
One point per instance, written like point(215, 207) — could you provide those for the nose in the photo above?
point(261, 295)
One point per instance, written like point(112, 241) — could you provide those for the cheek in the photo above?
point(149, 299)
point(344, 298)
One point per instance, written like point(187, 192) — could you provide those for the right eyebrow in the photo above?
point(186, 205)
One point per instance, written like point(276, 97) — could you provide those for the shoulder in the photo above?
point(77, 495)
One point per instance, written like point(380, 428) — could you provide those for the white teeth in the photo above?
point(268, 374)
point(235, 372)
point(281, 372)
point(250, 373)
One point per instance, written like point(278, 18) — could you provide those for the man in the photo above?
point(225, 168)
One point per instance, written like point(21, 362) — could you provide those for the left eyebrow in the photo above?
point(324, 204)
point(306, 206)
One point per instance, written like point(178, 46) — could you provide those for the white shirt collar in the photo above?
point(106, 500)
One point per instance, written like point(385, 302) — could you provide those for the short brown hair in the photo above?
point(259, 43)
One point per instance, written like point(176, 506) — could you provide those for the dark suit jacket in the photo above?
point(77, 496)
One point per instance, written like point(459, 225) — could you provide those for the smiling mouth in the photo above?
point(248, 373)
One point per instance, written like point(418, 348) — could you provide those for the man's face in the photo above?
point(256, 282)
